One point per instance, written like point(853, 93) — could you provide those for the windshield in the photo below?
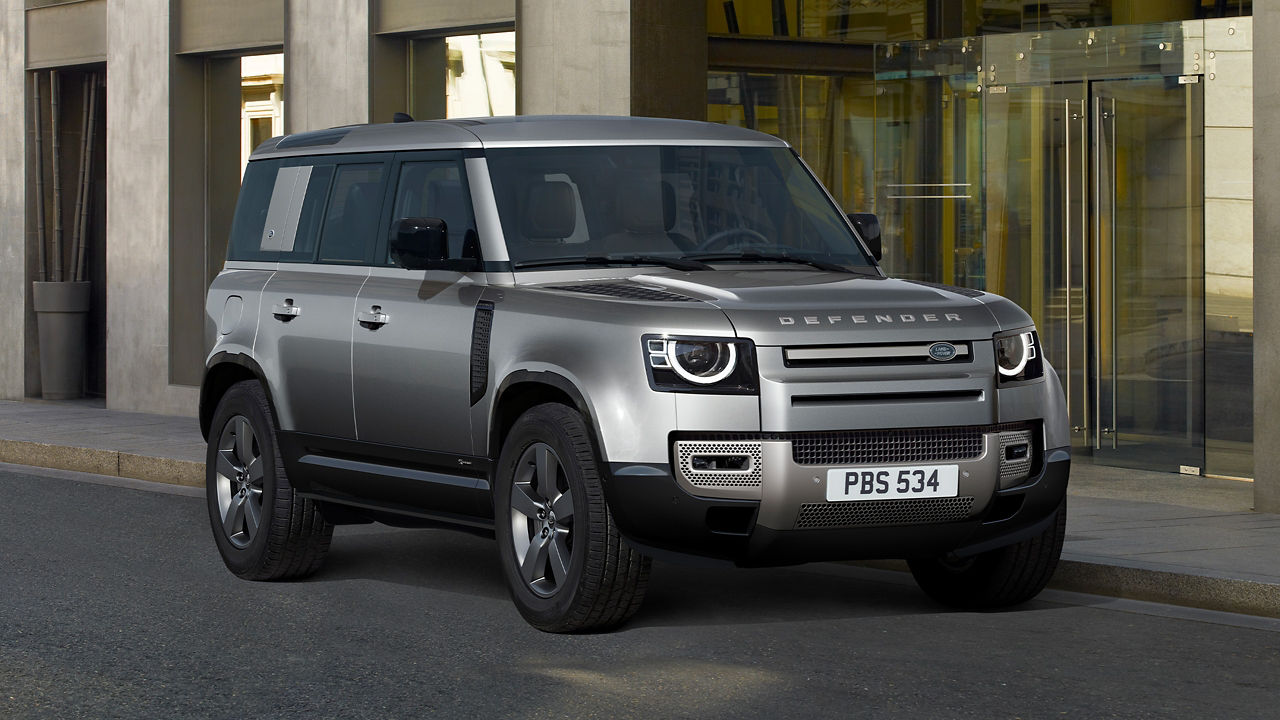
point(594, 204)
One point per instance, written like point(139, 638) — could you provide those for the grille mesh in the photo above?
point(858, 447)
point(720, 478)
point(1013, 470)
point(630, 291)
point(863, 513)
point(480, 329)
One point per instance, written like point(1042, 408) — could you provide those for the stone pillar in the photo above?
point(138, 210)
point(1266, 260)
point(14, 285)
point(611, 57)
point(326, 64)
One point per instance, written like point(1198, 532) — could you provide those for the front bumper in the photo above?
point(656, 513)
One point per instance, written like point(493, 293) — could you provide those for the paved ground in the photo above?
point(114, 603)
point(1152, 536)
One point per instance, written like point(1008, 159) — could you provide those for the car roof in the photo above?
point(516, 131)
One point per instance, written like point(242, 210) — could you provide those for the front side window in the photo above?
point(437, 189)
point(675, 202)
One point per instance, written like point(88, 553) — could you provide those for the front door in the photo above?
point(411, 357)
point(1095, 224)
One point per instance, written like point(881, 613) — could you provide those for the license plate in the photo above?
point(892, 483)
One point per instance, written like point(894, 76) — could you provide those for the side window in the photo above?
point(277, 217)
point(302, 243)
point(437, 188)
point(347, 235)
point(247, 228)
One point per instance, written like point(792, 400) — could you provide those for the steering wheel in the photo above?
point(717, 240)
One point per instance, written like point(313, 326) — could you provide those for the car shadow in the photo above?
point(678, 594)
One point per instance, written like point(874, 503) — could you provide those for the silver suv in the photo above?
point(604, 340)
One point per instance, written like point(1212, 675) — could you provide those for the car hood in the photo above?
point(806, 307)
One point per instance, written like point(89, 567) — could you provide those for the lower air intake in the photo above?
point(869, 513)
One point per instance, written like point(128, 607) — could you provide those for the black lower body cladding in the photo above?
point(660, 517)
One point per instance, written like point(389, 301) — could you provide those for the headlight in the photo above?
point(711, 365)
point(1018, 356)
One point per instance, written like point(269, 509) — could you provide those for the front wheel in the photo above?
point(566, 565)
point(997, 578)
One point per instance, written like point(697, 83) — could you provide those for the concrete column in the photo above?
point(611, 57)
point(1266, 260)
point(326, 64)
point(14, 287)
point(138, 178)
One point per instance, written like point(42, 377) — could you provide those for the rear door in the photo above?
point(322, 222)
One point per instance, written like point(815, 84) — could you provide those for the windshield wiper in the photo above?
point(775, 258)
point(684, 264)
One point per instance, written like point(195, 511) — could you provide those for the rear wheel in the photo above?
point(997, 578)
point(263, 530)
point(566, 565)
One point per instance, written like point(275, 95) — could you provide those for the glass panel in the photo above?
point(1037, 220)
point(840, 20)
point(1149, 256)
point(929, 160)
point(828, 120)
point(480, 76)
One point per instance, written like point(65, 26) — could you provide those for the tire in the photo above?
point(245, 480)
point(998, 578)
point(603, 581)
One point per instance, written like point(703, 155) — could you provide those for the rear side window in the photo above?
point(348, 235)
point(278, 215)
point(251, 213)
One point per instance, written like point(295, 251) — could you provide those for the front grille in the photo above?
point(861, 447)
point(867, 513)
point(628, 291)
point(1014, 471)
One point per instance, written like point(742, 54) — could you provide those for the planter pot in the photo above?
point(62, 309)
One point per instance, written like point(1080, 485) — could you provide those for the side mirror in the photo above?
point(419, 243)
point(868, 226)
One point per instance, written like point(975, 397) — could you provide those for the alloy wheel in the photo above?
point(240, 481)
point(542, 520)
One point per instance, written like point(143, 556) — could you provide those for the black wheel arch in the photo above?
point(524, 389)
point(223, 370)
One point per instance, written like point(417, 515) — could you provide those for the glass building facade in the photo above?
point(1088, 159)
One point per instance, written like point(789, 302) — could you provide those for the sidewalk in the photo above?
point(1158, 537)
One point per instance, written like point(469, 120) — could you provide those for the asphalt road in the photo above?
point(114, 603)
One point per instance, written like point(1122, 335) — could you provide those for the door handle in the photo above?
point(374, 318)
point(287, 311)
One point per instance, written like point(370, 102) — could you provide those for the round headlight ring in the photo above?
point(685, 374)
point(1026, 351)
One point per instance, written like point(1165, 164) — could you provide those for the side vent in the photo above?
point(480, 331)
point(628, 291)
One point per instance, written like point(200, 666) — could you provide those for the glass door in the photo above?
point(1148, 272)
point(1038, 225)
point(1095, 226)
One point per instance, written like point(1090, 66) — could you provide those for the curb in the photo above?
point(103, 462)
point(1247, 597)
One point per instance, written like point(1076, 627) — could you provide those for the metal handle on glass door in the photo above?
point(374, 317)
point(1097, 272)
point(287, 311)
point(1066, 233)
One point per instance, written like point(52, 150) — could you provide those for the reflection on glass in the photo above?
point(261, 101)
point(481, 75)
point(827, 119)
point(836, 20)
